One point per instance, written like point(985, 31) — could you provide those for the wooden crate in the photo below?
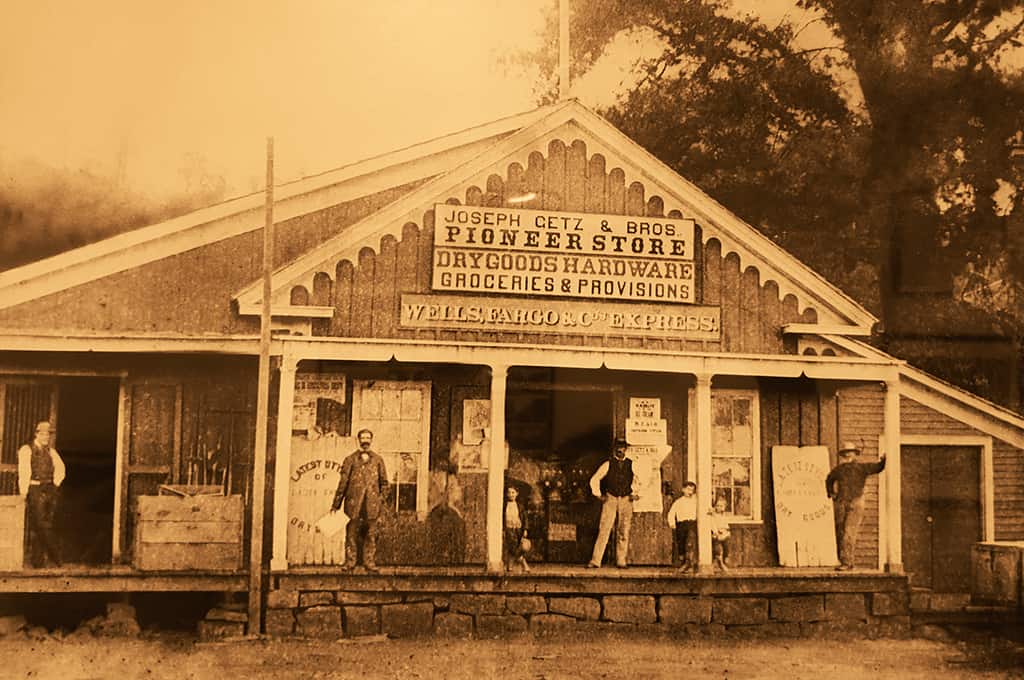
point(12, 533)
point(173, 533)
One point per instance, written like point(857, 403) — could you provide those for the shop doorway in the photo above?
point(941, 491)
point(557, 437)
point(87, 441)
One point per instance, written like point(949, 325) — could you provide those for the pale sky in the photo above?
point(131, 88)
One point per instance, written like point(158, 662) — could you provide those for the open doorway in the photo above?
point(87, 441)
point(557, 438)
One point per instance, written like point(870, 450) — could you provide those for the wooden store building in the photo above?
point(497, 306)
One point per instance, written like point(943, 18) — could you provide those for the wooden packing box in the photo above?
point(174, 533)
point(12, 533)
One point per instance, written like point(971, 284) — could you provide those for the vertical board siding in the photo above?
point(862, 420)
point(366, 294)
point(1007, 464)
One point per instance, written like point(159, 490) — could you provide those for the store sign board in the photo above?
point(453, 312)
point(644, 407)
point(647, 462)
point(646, 431)
point(550, 253)
point(803, 512)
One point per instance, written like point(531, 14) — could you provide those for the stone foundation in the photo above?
point(659, 607)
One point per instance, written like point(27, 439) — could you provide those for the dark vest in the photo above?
point(619, 480)
point(42, 464)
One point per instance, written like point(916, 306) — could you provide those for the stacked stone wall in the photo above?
point(344, 614)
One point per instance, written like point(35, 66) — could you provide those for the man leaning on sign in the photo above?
point(845, 486)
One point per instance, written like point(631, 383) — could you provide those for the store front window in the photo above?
point(735, 441)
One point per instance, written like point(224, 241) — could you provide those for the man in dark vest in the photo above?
point(845, 486)
point(40, 473)
point(361, 486)
point(616, 485)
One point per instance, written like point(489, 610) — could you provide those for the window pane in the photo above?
point(391, 405)
point(742, 440)
point(741, 411)
point(742, 506)
point(740, 471)
point(371, 404)
point(723, 411)
point(721, 440)
point(721, 473)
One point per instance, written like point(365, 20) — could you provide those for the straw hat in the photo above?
point(848, 448)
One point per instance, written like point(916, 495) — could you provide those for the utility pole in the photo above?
point(259, 464)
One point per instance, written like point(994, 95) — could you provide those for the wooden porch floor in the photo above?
point(472, 578)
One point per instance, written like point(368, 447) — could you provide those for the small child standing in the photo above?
point(682, 518)
point(515, 530)
point(720, 535)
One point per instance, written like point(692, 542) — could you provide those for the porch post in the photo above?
point(703, 471)
point(893, 501)
point(283, 461)
point(496, 467)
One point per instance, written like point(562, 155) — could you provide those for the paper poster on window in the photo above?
point(647, 462)
point(319, 402)
point(803, 512)
point(476, 420)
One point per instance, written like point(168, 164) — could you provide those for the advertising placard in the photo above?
point(803, 512)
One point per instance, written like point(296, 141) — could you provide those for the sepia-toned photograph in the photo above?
point(512, 339)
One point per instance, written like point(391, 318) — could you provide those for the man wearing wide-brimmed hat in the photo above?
point(845, 486)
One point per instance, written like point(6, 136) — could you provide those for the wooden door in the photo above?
point(941, 490)
point(152, 451)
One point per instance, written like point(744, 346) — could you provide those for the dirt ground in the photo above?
point(181, 657)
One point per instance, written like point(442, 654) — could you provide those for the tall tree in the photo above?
point(909, 180)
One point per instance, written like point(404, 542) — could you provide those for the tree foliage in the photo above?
point(902, 181)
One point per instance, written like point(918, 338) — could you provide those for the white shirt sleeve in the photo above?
point(595, 481)
point(59, 470)
point(672, 512)
point(24, 469)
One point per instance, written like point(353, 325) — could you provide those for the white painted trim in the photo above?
point(883, 513)
point(736, 236)
point(119, 465)
point(496, 464)
point(970, 409)
point(283, 462)
point(703, 416)
point(894, 492)
point(75, 341)
point(244, 214)
point(300, 311)
point(823, 329)
point(988, 516)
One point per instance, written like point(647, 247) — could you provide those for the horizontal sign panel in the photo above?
point(534, 252)
point(453, 312)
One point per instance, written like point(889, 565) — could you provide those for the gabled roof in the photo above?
point(955, 402)
point(573, 120)
point(244, 214)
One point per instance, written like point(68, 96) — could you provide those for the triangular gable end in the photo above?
point(573, 124)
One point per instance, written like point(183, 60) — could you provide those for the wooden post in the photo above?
point(259, 463)
point(703, 477)
point(282, 461)
point(894, 497)
point(496, 468)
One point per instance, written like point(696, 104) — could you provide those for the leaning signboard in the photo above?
point(803, 512)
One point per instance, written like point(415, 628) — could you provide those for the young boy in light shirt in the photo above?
point(682, 518)
point(720, 534)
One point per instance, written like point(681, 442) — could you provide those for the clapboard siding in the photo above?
point(190, 292)
point(861, 419)
point(566, 178)
point(1007, 464)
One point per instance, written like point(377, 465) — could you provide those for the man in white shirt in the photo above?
point(617, 486)
point(682, 518)
point(40, 473)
